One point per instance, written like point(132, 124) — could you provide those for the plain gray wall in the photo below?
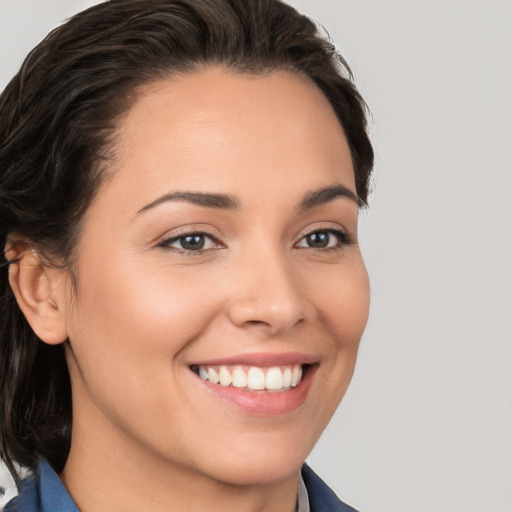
point(427, 423)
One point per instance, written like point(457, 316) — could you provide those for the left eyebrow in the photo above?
point(218, 201)
point(326, 194)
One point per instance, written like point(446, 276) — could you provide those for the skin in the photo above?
point(146, 433)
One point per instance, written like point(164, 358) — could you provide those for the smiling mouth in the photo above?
point(253, 378)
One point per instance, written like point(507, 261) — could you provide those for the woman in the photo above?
point(183, 291)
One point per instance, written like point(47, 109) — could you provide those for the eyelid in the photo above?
point(190, 229)
point(169, 237)
point(334, 228)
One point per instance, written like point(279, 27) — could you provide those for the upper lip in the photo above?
point(261, 359)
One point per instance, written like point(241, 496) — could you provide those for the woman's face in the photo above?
point(223, 246)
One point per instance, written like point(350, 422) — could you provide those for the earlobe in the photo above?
point(38, 291)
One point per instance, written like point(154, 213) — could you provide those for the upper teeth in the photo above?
point(253, 377)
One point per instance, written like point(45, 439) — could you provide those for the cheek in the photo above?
point(130, 326)
point(127, 332)
point(344, 295)
point(345, 298)
point(151, 304)
point(172, 308)
point(355, 304)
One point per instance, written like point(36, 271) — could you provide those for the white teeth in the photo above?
point(213, 376)
point(239, 378)
point(287, 378)
point(256, 378)
point(296, 375)
point(224, 376)
point(274, 379)
point(253, 378)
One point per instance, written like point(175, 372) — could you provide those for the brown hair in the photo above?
point(58, 115)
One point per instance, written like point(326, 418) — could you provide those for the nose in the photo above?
point(268, 295)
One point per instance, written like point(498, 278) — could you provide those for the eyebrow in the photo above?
point(208, 200)
point(326, 194)
point(228, 202)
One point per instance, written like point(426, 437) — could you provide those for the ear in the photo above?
point(39, 291)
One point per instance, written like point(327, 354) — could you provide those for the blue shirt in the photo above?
point(44, 492)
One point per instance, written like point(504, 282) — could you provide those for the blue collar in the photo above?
point(44, 492)
point(321, 496)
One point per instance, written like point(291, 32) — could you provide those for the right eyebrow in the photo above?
point(208, 200)
point(326, 194)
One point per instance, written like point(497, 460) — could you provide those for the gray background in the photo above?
point(427, 423)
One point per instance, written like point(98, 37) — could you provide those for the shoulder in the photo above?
point(42, 492)
point(321, 496)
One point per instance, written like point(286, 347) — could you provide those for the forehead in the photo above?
point(212, 127)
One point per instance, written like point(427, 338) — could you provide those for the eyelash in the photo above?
point(166, 244)
point(342, 238)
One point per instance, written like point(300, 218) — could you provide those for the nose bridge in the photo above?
point(268, 291)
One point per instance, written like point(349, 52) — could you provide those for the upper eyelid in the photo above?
point(191, 233)
point(174, 238)
point(343, 235)
point(200, 229)
point(326, 226)
point(332, 231)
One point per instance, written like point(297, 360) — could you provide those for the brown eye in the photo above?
point(190, 242)
point(319, 239)
point(324, 239)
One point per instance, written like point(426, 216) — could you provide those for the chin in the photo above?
point(264, 462)
point(263, 471)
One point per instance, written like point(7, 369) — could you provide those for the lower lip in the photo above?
point(264, 403)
